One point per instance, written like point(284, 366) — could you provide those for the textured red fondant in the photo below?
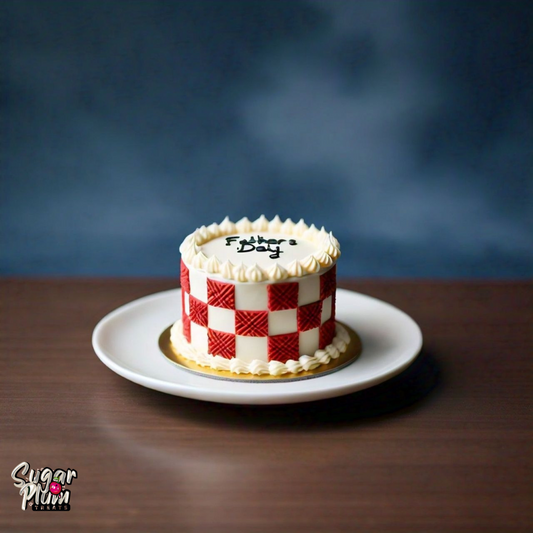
point(309, 316)
point(328, 282)
point(282, 348)
point(220, 294)
point(327, 332)
point(255, 323)
point(197, 311)
point(221, 343)
point(251, 323)
point(186, 327)
point(282, 296)
point(184, 278)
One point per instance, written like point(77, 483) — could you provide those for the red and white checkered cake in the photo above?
point(239, 312)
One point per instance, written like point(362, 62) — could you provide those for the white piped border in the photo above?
point(274, 368)
point(329, 249)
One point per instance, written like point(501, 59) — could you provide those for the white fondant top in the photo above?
point(260, 250)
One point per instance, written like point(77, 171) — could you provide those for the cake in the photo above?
point(259, 297)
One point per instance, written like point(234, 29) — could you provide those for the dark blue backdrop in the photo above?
point(405, 127)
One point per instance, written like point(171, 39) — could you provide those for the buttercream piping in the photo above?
point(328, 249)
point(197, 237)
point(213, 265)
point(344, 335)
point(191, 252)
point(239, 273)
point(226, 269)
point(310, 264)
point(275, 225)
point(187, 243)
point(227, 227)
point(204, 234)
point(300, 228)
point(311, 234)
point(213, 231)
point(332, 351)
point(323, 356)
point(287, 227)
point(257, 367)
point(295, 269)
point(255, 273)
point(261, 224)
point(199, 260)
point(277, 272)
point(322, 234)
point(244, 225)
point(323, 258)
point(339, 344)
point(332, 250)
point(334, 240)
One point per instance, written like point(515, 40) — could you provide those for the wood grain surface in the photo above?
point(445, 446)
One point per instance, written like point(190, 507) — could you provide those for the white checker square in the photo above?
point(187, 303)
point(309, 341)
point(221, 319)
point(280, 322)
point(249, 348)
point(199, 337)
point(251, 296)
point(309, 290)
point(198, 283)
point(326, 309)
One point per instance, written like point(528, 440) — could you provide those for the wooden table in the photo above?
point(445, 446)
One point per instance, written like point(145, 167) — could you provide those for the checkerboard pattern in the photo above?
point(265, 321)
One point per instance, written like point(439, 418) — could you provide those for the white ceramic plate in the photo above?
point(126, 340)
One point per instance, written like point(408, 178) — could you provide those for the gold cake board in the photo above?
point(353, 351)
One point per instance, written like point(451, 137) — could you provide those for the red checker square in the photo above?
point(220, 294)
point(282, 296)
point(184, 278)
point(185, 320)
point(283, 348)
point(309, 316)
point(328, 282)
point(197, 311)
point(251, 323)
point(221, 343)
point(327, 332)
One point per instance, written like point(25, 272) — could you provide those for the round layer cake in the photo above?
point(259, 297)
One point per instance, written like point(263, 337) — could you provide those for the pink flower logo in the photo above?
point(55, 488)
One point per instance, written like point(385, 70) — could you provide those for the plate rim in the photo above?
point(247, 397)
